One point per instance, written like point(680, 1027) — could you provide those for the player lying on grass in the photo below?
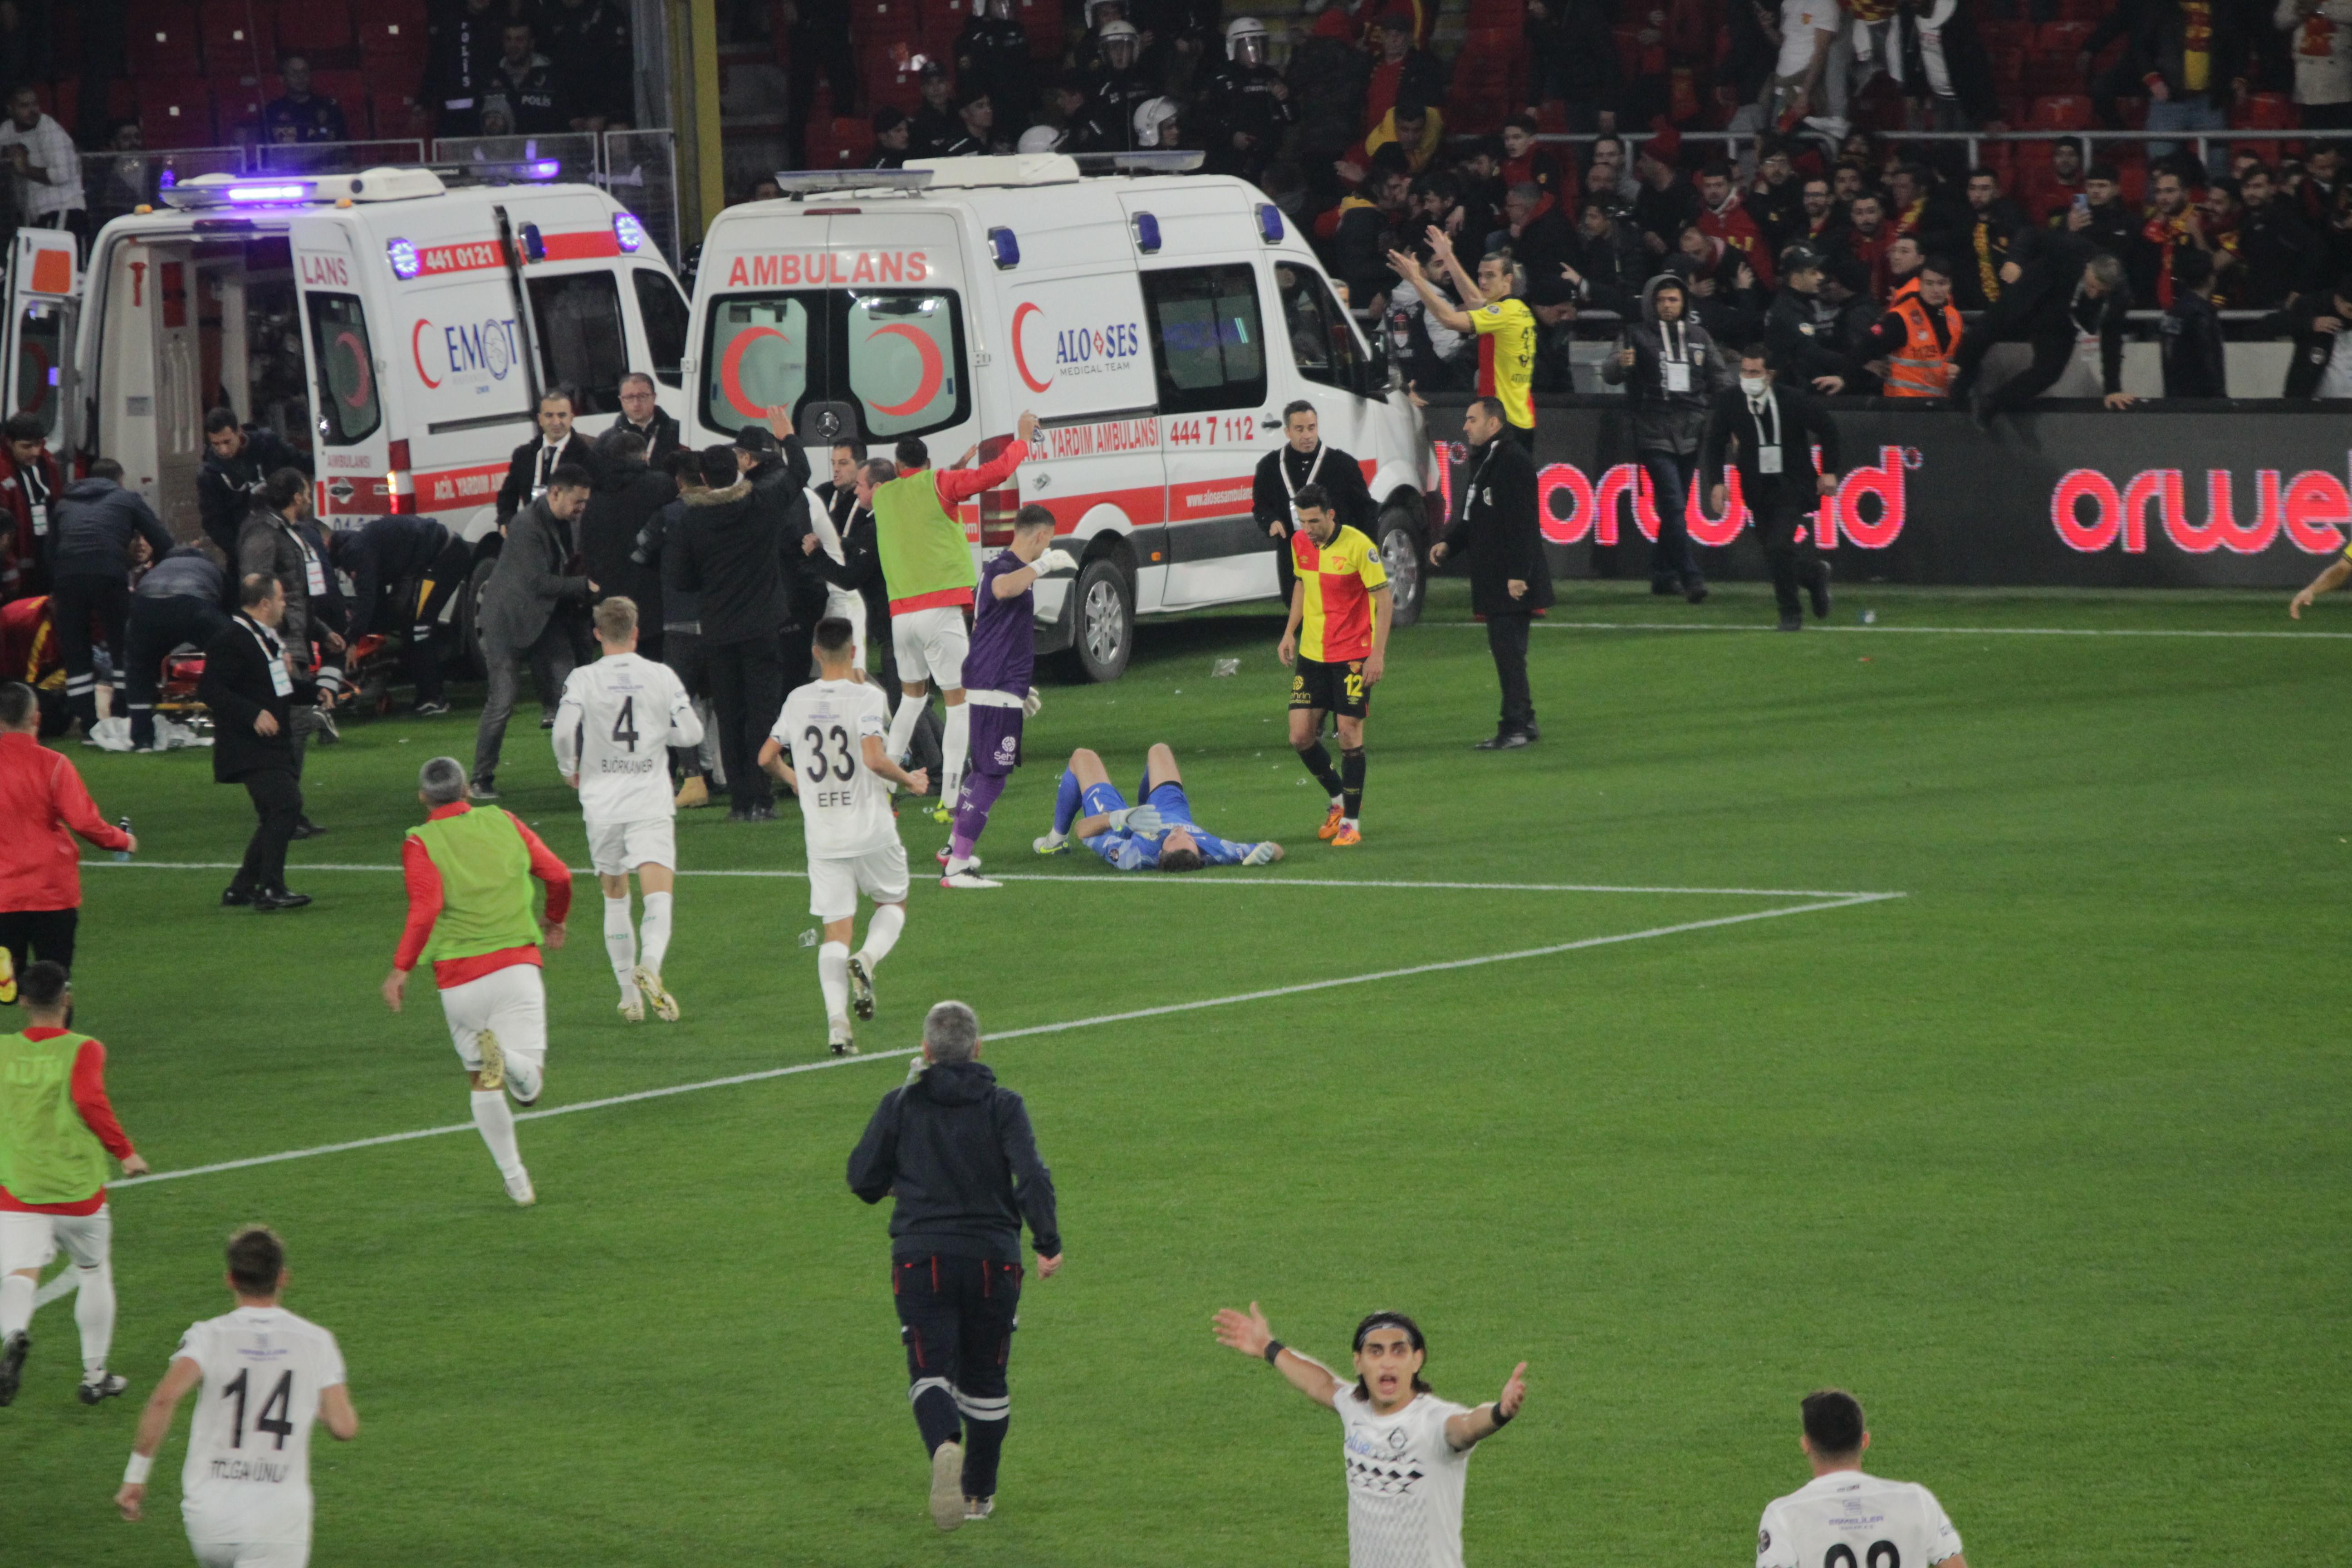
point(1158, 834)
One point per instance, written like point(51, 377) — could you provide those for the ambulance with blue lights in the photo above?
point(1156, 323)
point(397, 325)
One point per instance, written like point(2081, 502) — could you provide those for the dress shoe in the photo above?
point(269, 899)
point(236, 899)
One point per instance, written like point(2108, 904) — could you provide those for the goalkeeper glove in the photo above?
point(1030, 703)
point(1259, 854)
point(1055, 560)
point(1135, 819)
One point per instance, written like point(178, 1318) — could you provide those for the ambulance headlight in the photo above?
point(403, 255)
point(1004, 247)
point(629, 232)
point(1269, 223)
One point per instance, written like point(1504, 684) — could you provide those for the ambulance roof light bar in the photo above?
point(1148, 161)
point(245, 190)
point(838, 181)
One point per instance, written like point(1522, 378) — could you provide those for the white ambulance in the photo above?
point(1157, 325)
point(396, 324)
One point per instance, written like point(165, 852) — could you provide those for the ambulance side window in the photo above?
point(40, 352)
point(348, 410)
point(664, 310)
point(1322, 345)
point(581, 341)
point(1207, 338)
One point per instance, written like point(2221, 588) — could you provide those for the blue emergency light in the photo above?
point(1146, 233)
point(404, 259)
point(1004, 247)
point(1269, 223)
point(629, 232)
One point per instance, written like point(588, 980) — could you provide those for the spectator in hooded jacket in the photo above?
point(30, 483)
point(1671, 370)
point(99, 531)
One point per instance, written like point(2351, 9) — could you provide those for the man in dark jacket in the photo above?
point(2193, 63)
point(772, 457)
point(2279, 256)
point(520, 622)
point(627, 494)
point(2322, 365)
point(237, 460)
point(993, 61)
point(1671, 371)
point(1769, 430)
point(652, 424)
point(1244, 105)
point(269, 541)
point(178, 602)
point(30, 483)
point(532, 464)
point(1494, 522)
point(957, 1152)
point(590, 43)
point(728, 557)
point(2192, 331)
point(681, 608)
point(1305, 458)
point(96, 535)
point(2054, 289)
point(1801, 327)
point(854, 589)
point(462, 45)
point(404, 571)
point(250, 690)
point(2102, 220)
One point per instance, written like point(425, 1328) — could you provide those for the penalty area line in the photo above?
point(1167, 1010)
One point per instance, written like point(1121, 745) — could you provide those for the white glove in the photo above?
point(1259, 854)
point(1144, 819)
point(1030, 703)
point(1055, 560)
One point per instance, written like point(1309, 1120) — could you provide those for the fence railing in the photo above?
point(1733, 142)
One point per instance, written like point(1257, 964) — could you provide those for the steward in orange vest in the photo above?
point(1919, 338)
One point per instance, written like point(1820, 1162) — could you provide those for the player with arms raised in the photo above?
point(833, 727)
point(1407, 1451)
point(612, 731)
point(1844, 1519)
point(268, 1376)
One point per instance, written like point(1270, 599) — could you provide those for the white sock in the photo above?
point(902, 725)
point(653, 933)
point(955, 867)
point(882, 933)
point(832, 978)
point(15, 1303)
point(621, 944)
point(495, 1119)
point(952, 747)
point(94, 1315)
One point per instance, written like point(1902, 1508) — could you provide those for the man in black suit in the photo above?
point(249, 688)
point(1775, 427)
point(851, 566)
point(1306, 459)
point(642, 415)
point(1495, 523)
point(627, 495)
point(534, 462)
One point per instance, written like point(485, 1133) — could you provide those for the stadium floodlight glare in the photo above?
point(403, 255)
point(541, 169)
point(628, 232)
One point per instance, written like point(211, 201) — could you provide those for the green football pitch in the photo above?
point(1943, 1009)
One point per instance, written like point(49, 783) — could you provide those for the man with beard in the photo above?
point(1992, 219)
point(2173, 224)
point(2281, 258)
point(2101, 218)
point(1868, 239)
point(1722, 216)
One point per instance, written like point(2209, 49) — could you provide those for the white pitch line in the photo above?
point(1106, 879)
point(1166, 1010)
point(1542, 623)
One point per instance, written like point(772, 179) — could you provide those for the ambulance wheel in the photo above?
point(1104, 635)
point(1402, 556)
point(469, 617)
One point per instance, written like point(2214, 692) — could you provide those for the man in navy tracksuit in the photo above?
point(404, 571)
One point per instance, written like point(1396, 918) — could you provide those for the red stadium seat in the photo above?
point(2269, 111)
point(392, 50)
point(240, 36)
point(2134, 111)
point(2008, 70)
point(314, 26)
point(162, 42)
point(350, 89)
point(2063, 39)
point(236, 106)
point(2000, 35)
point(2065, 112)
point(875, 21)
point(396, 115)
point(61, 100)
point(176, 113)
point(888, 82)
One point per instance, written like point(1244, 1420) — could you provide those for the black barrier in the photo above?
point(2073, 495)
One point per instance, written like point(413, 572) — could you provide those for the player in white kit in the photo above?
point(834, 728)
point(1407, 1451)
point(268, 1376)
point(613, 730)
point(1844, 1519)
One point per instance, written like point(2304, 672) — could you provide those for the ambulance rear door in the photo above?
point(587, 298)
point(352, 449)
point(43, 304)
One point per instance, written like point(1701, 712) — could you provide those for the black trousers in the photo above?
point(422, 600)
point(1506, 639)
point(1672, 558)
point(2051, 353)
point(1792, 564)
point(747, 692)
point(956, 1318)
point(74, 601)
point(277, 803)
point(157, 626)
point(33, 935)
point(682, 651)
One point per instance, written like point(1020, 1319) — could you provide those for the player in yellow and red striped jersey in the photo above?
point(1335, 641)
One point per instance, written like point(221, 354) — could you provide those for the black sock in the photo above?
point(1351, 782)
point(1319, 762)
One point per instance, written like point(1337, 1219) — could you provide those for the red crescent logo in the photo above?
point(731, 368)
point(1020, 360)
point(349, 342)
point(416, 353)
point(935, 369)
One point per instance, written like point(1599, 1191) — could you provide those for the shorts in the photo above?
point(1333, 688)
point(252, 1554)
point(513, 1003)
point(30, 1240)
point(931, 645)
point(834, 885)
point(1171, 801)
point(996, 739)
point(616, 848)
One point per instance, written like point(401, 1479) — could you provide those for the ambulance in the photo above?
point(1157, 325)
point(398, 324)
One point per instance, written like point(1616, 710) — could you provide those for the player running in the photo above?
point(1159, 835)
point(468, 871)
point(927, 570)
point(268, 1376)
point(833, 727)
point(1406, 1450)
point(1337, 643)
point(55, 1131)
point(997, 671)
point(612, 731)
point(1842, 1513)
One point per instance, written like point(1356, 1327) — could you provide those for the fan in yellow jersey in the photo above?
point(1496, 309)
point(1335, 641)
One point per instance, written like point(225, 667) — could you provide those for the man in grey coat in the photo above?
point(268, 544)
point(1670, 369)
point(518, 621)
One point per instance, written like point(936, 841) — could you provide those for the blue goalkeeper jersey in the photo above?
point(1140, 851)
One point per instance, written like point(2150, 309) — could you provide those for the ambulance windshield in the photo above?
point(897, 354)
